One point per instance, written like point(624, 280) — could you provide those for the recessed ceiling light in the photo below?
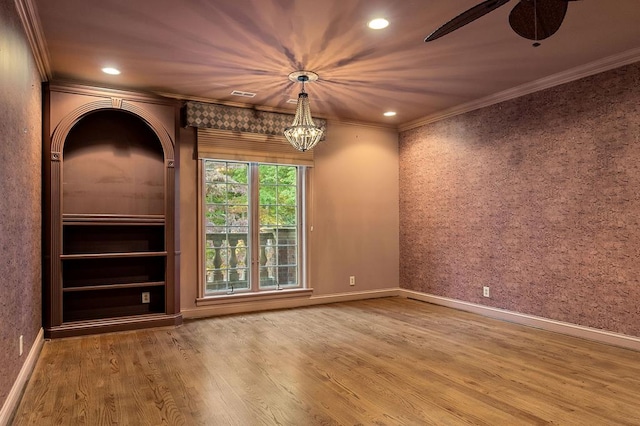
point(378, 24)
point(111, 70)
point(390, 114)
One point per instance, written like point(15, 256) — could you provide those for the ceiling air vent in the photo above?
point(243, 94)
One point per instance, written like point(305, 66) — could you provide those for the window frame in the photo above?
point(253, 252)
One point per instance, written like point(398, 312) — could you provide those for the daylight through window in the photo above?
point(252, 227)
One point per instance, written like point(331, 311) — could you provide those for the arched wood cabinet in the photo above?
point(111, 255)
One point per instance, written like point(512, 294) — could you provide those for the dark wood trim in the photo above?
point(48, 315)
point(66, 124)
point(113, 255)
point(114, 286)
point(110, 325)
point(91, 219)
point(173, 227)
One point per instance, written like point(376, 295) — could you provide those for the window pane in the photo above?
point(287, 236)
point(287, 275)
point(267, 174)
point(237, 216)
point(268, 195)
point(216, 193)
point(229, 201)
point(214, 172)
point(287, 175)
point(268, 216)
point(227, 227)
point(216, 214)
point(239, 230)
point(287, 195)
point(238, 173)
point(238, 194)
point(279, 227)
point(215, 229)
point(287, 255)
point(267, 277)
point(287, 216)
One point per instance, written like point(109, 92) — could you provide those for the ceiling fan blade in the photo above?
point(465, 18)
point(537, 19)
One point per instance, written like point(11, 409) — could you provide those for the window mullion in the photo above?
point(254, 226)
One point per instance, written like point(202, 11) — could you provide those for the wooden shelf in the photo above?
point(93, 304)
point(114, 286)
point(111, 219)
point(72, 315)
point(100, 271)
point(83, 239)
point(113, 255)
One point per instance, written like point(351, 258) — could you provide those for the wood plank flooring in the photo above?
point(378, 362)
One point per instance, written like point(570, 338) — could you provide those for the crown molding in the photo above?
point(365, 124)
point(33, 29)
point(592, 68)
point(89, 89)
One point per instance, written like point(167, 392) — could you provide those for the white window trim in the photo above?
point(250, 297)
point(254, 294)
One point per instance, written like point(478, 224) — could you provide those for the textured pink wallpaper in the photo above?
point(537, 197)
point(20, 202)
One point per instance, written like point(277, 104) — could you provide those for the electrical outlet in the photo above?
point(352, 280)
point(485, 291)
point(146, 297)
point(21, 344)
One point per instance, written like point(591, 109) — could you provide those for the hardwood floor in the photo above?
point(377, 362)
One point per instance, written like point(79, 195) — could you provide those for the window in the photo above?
point(252, 226)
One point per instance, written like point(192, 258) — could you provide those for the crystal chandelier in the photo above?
point(303, 134)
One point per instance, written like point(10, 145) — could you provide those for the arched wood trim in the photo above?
point(66, 124)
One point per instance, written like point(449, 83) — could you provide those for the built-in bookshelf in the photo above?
point(110, 248)
point(108, 262)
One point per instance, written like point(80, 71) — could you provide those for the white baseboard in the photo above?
point(13, 398)
point(617, 339)
point(354, 295)
point(242, 307)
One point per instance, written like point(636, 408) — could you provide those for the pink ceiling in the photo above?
point(207, 48)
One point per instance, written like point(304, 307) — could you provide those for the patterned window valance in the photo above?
point(234, 119)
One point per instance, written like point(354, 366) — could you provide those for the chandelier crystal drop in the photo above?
point(303, 134)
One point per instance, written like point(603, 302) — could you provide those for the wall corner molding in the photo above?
point(15, 394)
point(33, 29)
point(605, 64)
point(569, 329)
